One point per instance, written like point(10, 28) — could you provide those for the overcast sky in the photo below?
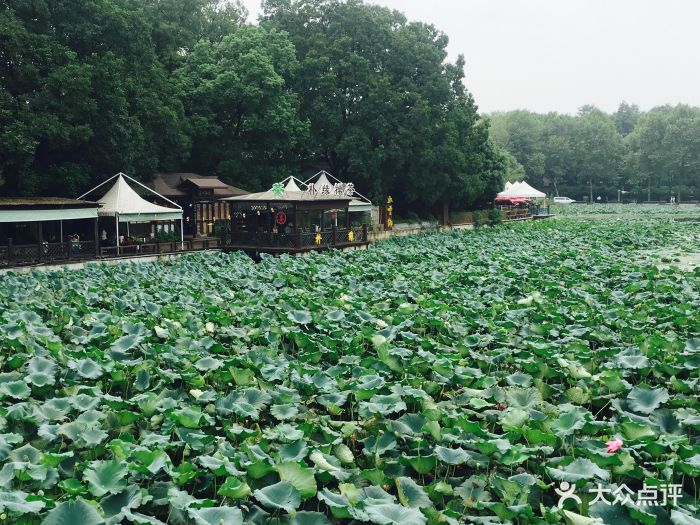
point(557, 55)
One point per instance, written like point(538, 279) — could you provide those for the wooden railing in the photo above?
point(299, 240)
point(45, 252)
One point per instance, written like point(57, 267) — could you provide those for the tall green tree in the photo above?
point(243, 116)
point(385, 108)
point(664, 152)
point(597, 150)
point(84, 94)
point(626, 118)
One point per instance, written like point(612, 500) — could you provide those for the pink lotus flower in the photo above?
point(614, 445)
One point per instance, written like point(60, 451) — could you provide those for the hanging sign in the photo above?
point(281, 218)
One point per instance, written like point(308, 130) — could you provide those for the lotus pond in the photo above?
point(447, 378)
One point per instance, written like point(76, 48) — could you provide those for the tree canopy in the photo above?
point(91, 88)
point(652, 155)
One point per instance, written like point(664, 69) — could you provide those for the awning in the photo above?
point(357, 206)
point(45, 209)
point(513, 201)
point(47, 215)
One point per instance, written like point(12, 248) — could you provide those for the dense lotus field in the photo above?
point(449, 378)
point(634, 211)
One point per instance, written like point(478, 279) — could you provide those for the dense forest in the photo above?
point(92, 87)
point(630, 154)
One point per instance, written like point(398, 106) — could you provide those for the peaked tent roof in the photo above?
point(522, 189)
point(123, 202)
point(291, 185)
point(359, 203)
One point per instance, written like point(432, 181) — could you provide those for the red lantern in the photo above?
point(281, 218)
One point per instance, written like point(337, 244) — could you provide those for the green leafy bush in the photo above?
point(166, 236)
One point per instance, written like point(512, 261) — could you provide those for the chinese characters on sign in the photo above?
point(338, 189)
point(647, 496)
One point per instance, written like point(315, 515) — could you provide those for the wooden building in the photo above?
point(200, 198)
point(289, 219)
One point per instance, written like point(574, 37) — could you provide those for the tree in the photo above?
point(385, 108)
point(626, 118)
point(242, 114)
point(83, 96)
point(520, 133)
point(597, 149)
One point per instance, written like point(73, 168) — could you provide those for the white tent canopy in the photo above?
point(359, 203)
point(522, 190)
point(291, 184)
point(125, 205)
point(123, 202)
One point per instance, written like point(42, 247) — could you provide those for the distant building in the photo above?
point(199, 196)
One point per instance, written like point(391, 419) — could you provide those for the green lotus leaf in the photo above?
point(335, 315)
point(577, 519)
point(579, 469)
point(216, 516)
point(115, 505)
point(632, 361)
point(385, 405)
point(126, 343)
point(308, 518)
point(519, 379)
point(681, 518)
point(88, 368)
point(568, 423)
point(411, 494)
point(106, 477)
point(73, 513)
point(451, 456)
point(234, 488)
point(300, 316)
point(284, 412)
point(16, 503)
point(524, 397)
point(514, 418)
point(302, 478)
point(246, 403)
point(647, 400)
point(281, 495)
point(208, 363)
point(328, 464)
point(393, 514)
point(524, 479)
point(15, 389)
point(41, 371)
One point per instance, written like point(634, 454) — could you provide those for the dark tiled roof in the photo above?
point(175, 180)
point(159, 185)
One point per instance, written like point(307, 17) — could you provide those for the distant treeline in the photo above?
point(652, 155)
point(88, 88)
